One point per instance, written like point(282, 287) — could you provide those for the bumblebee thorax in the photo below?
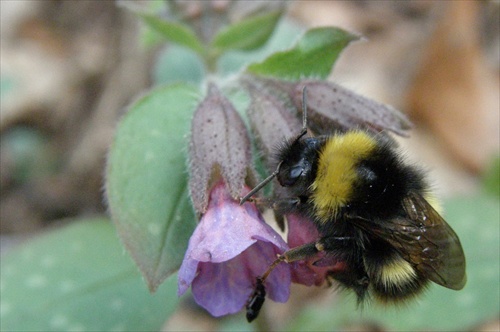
point(337, 172)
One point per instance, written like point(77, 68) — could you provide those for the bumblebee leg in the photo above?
point(261, 202)
point(310, 249)
point(280, 206)
point(349, 270)
point(352, 278)
point(302, 252)
point(280, 220)
point(292, 255)
point(285, 205)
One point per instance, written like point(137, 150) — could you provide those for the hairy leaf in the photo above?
point(146, 181)
point(78, 278)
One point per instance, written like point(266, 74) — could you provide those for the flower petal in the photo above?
point(228, 228)
point(229, 248)
point(186, 275)
point(224, 288)
point(258, 258)
point(301, 231)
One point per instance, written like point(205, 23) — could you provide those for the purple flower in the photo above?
point(230, 247)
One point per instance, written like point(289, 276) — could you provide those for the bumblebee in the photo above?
point(372, 211)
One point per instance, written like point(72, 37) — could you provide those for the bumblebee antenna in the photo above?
point(304, 108)
point(304, 114)
point(260, 185)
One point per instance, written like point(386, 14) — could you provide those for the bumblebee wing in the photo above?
point(429, 243)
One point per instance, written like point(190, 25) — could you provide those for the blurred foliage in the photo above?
point(177, 63)
point(79, 278)
point(27, 154)
point(248, 34)
point(313, 56)
point(6, 85)
point(174, 32)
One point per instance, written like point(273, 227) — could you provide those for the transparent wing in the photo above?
point(426, 241)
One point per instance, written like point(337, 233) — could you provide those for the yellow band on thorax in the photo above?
point(336, 174)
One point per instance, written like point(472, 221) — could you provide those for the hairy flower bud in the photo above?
point(219, 147)
point(331, 106)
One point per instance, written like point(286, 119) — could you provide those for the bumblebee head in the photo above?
point(297, 163)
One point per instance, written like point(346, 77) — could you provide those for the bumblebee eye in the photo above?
point(289, 176)
point(295, 172)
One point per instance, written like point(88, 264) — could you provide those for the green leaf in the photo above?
point(174, 32)
point(146, 183)
point(248, 34)
point(78, 278)
point(284, 35)
point(177, 64)
point(312, 57)
point(475, 220)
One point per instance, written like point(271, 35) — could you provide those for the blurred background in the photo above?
point(70, 68)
